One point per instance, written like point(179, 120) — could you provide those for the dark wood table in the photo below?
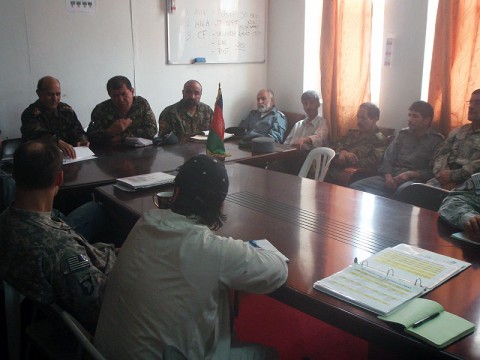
point(322, 228)
point(122, 161)
point(80, 178)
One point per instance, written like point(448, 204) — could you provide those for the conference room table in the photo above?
point(113, 162)
point(321, 228)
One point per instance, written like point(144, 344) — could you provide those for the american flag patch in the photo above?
point(476, 181)
point(77, 263)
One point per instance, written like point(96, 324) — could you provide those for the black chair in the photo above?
point(422, 195)
point(8, 148)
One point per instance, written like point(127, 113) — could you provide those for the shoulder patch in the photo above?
point(75, 263)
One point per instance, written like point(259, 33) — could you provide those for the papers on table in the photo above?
point(145, 181)
point(204, 137)
point(82, 152)
point(267, 245)
point(138, 141)
point(388, 279)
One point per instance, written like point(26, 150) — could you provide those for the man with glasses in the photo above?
point(459, 157)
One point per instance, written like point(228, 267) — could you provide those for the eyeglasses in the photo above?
point(474, 102)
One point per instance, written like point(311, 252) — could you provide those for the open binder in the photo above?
point(391, 277)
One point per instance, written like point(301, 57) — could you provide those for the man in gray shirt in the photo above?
point(409, 158)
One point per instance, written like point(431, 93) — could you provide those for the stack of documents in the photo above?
point(390, 278)
point(82, 152)
point(144, 181)
point(138, 142)
point(204, 136)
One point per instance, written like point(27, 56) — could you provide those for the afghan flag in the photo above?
point(215, 144)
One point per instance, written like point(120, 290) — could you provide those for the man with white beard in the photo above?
point(266, 120)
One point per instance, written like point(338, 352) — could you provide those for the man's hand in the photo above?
point(299, 143)
point(119, 126)
point(67, 149)
point(402, 177)
point(443, 177)
point(83, 143)
point(390, 182)
point(347, 158)
point(472, 228)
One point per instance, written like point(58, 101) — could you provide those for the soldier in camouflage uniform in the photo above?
point(461, 208)
point(409, 158)
point(43, 257)
point(48, 118)
point(123, 115)
point(362, 147)
point(459, 156)
point(187, 117)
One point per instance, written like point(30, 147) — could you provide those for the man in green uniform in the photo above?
point(362, 147)
point(185, 118)
point(43, 257)
point(123, 115)
point(50, 119)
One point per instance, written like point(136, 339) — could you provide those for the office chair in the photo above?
point(8, 148)
point(322, 156)
point(13, 300)
point(422, 195)
point(49, 336)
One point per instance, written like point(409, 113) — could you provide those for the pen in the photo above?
point(253, 243)
point(428, 318)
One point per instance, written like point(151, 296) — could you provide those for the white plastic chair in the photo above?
point(322, 157)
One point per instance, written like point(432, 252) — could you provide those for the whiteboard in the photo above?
point(216, 31)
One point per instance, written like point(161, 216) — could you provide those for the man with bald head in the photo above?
point(50, 119)
point(185, 118)
point(266, 120)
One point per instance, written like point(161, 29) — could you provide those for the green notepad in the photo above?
point(434, 325)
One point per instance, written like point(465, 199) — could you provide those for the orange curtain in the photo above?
point(455, 71)
point(345, 61)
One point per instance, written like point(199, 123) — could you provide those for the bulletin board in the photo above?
point(216, 31)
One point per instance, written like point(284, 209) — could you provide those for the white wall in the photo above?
point(286, 32)
point(401, 84)
point(128, 37)
point(124, 37)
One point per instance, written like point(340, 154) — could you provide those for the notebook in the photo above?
point(388, 279)
point(427, 320)
point(145, 181)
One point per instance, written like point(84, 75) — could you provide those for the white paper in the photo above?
point(82, 152)
point(146, 180)
point(267, 245)
point(205, 137)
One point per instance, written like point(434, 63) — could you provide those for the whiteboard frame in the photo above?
point(168, 13)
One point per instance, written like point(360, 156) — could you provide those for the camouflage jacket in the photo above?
point(104, 114)
point(175, 118)
point(459, 153)
point(44, 259)
point(369, 148)
point(62, 124)
point(461, 204)
point(409, 152)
